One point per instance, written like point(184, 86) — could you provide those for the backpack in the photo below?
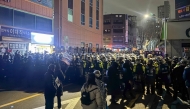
point(85, 97)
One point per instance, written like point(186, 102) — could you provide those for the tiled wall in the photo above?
point(29, 6)
point(78, 33)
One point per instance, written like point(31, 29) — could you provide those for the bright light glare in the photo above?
point(146, 15)
point(42, 38)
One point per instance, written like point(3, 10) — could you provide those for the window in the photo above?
point(6, 16)
point(82, 44)
point(91, 2)
point(97, 4)
point(97, 45)
point(70, 4)
point(90, 14)
point(24, 20)
point(97, 19)
point(116, 15)
point(97, 14)
point(118, 30)
point(91, 11)
point(43, 24)
point(120, 15)
point(82, 12)
point(117, 22)
point(107, 22)
point(90, 45)
point(82, 19)
point(117, 26)
point(70, 15)
point(90, 22)
point(70, 10)
point(97, 24)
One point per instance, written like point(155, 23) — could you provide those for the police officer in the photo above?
point(138, 70)
point(186, 77)
point(150, 75)
point(179, 83)
point(163, 75)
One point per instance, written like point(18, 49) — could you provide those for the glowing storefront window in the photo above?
point(42, 38)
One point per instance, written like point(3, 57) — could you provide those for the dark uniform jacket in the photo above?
point(50, 86)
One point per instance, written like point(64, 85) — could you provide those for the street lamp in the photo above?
point(146, 16)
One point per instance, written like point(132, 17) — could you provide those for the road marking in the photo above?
point(151, 101)
point(71, 103)
point(23, 99)
point(161, 102)
point(26, 98)
point(133, 101)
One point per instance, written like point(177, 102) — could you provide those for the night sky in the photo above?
point(135, 7)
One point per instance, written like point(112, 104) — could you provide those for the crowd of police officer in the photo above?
point(127, 71)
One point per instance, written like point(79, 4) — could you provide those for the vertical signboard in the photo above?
point(126, 29)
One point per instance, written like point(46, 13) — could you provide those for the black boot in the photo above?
point(132, 96)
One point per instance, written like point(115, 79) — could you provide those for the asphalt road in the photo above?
point(24, 99)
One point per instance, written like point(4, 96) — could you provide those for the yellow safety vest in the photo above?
point(135, 66)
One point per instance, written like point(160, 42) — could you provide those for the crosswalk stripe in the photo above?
point(160, 104)
point(71, 103)
point(26, 98)
point(151, 101)
point(133, 101)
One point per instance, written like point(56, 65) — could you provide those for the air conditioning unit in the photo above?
point(7, 0)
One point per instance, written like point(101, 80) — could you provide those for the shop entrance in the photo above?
point(186, 49)
point(36, 48)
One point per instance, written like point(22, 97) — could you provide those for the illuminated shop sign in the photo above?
point(15, 32)
point(118, 47)
point(38, 38)
point(183, 12)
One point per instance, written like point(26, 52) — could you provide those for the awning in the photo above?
point(14, 39)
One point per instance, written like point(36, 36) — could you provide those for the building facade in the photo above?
point(132, 32)
point(118, 31)
point(161, 11)
point(178, 38)
point(182, 9)
point(24, 25)
point(78, 23)
point(164, 10)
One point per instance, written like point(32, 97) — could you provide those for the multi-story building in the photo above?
point(161, 11)
point(132, 31)
point(78, 23)
point(140, 37)
point(116, 31)
point(26, 25)
point(164, 10)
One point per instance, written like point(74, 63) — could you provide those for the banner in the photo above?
point(15, 32)
point(67, 58)
point(163, 31)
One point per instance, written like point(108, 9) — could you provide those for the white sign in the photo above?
point(39, 38)
point(57, 81)
point(177, 30)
